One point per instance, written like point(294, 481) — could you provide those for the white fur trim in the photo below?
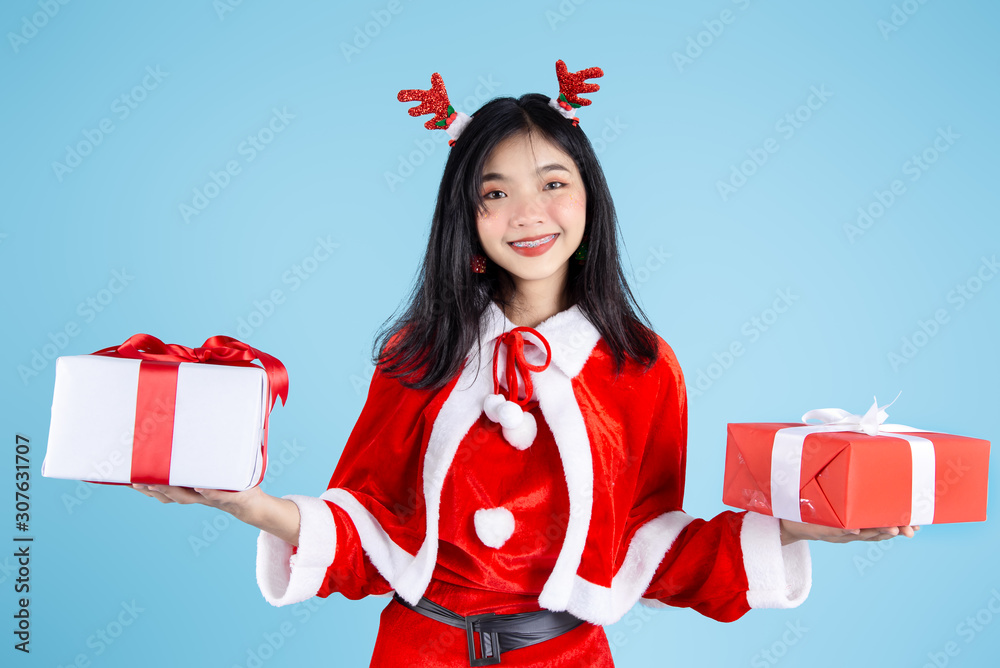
point(568, 113)
point(286, 578)
point(607, 605)
point(455, 129)
point(390, 559)
point(572, 338)
point(570, 335)
point(558, 404)
point(779, 575)
point(410, 574)
point(494, 526)
point(457, 415)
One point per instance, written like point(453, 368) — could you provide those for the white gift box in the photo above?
point(218, 423)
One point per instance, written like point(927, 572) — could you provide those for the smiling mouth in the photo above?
point(533, 244)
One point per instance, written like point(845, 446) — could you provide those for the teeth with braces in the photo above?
point(536, 242)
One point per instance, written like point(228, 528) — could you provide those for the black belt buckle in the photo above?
point(470, 637)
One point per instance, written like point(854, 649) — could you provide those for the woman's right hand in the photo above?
point(255, 507)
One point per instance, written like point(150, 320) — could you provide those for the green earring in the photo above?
point(581, 252)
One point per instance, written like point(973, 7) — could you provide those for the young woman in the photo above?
point(522, 448)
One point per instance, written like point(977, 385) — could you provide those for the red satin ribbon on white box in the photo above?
point(164, 414)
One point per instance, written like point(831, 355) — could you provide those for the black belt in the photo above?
point(496, 632)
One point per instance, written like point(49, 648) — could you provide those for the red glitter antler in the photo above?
point(433, 101)
point(573, 83)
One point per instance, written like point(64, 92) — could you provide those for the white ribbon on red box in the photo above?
point(786, 458)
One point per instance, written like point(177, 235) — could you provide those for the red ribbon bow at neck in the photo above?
point(517, 362)
point(519, 426)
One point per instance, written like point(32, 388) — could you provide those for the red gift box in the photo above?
point(854, 472)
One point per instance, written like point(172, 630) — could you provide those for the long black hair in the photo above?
point(441, 323)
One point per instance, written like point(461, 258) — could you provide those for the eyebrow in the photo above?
point(552, 167)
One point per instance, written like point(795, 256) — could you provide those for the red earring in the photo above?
point(478, 264)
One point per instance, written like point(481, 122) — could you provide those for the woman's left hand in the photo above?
point(794, 531)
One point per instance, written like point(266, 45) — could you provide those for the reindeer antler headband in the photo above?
point(435, 100)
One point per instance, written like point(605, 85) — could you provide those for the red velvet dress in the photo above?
point(432, 497)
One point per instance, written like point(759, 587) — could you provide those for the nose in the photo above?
point(527, 210)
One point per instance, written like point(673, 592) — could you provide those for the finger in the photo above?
point(879, 536)
point(868, 534)
point(159, 496)
point(885, 533)
point(213, 495)
point(907, 531)
point(182, 495)
point(835, 535)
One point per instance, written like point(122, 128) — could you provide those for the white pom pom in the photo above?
point(510, 415)
point(523, 435)
point(492, 405)
point(494, 526)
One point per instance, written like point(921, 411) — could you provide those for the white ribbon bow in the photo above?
point(870, 423)
point(786, 458)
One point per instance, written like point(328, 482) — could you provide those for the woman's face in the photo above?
point(532, 190)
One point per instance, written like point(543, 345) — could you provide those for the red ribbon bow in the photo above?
point(516, 360)
point(153, 436)
point(216, 350)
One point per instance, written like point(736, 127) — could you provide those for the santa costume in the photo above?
point(564, 493)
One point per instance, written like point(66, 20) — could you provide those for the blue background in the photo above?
point(668, 131)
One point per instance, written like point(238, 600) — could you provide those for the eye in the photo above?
point(557, 184)
point(490, 194)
